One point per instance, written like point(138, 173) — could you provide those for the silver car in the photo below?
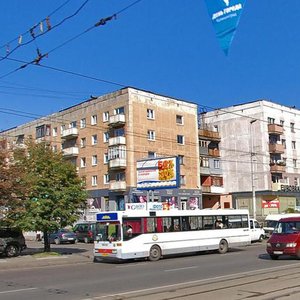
point(63, 236)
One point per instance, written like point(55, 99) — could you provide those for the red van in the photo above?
point(285, 239)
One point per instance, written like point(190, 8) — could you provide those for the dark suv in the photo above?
point(85, 231)
point(12, 241)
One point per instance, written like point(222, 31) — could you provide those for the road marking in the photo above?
point(16, 291)
point(230, 276)
point(179, 269)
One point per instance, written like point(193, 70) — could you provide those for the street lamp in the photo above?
point(252, 170)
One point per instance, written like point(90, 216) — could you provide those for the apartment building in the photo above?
point(260, 154)
point(211, 173)
point(105, 137)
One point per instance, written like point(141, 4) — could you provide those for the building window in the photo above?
point(216, 164)
point(106, 116)
point(117, 152)
point(120, 176)
point(82, 142)
point(73, 124)
point(151, 154)
point(292, 125)
point(94, 139)
point(82, 162)
point(271, 120)
point(119, 111)
point(180, 159)
point(295, 163)
point(204, 162)
point(54, 148)
point(105, 137)
point(180, 139)
point(182, 180)
point(94, 120)
point(293, 145)
point(94, 180)
point(150, 114)
point(105, 158)
point(106, 178)
point(179, 119)
point(94, 160)
point(54, 131)
point(282, 123)
point(216, 128)
point(151, 135)
point(43, 130)
point(203, 144)
point(83, 123)
point(62, 128)
point(283, 142)
point(296, 181)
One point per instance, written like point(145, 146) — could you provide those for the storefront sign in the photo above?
point(270, 204)
point(290, 188)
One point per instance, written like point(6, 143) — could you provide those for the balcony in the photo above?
point(276, 148)
point(212, 189)
point(275, 129)
point(117, 163)
point(117, 140)
point(205, 171)
point(69, 133)
point(69, 152)
point(209, 134)
point(275, 168)
point(214, 152)
point(117, 185)
point(116, 120)
point(205, 189)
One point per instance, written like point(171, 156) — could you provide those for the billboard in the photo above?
point(158, 173)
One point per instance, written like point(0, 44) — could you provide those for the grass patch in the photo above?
point(46, 254)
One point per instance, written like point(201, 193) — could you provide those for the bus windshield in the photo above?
point(108, 232)
point(287, 227)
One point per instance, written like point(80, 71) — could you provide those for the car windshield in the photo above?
point(64, 230)
point(288, 227)
point(108, 232)
point(271, 223)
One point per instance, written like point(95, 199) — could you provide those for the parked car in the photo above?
point(85, 231)
point(63, 236)
point(12, 241)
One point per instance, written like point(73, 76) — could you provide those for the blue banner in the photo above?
point(225, 16)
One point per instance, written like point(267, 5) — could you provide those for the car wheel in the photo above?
point(223, 247)
point(155, 253)
point(12, 250)
point(57, 241)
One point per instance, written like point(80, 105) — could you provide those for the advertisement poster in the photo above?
point(225, 16)
point(158, 173)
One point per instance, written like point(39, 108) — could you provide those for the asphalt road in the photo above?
point(243, 273)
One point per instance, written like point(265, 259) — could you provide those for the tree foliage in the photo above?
point(56, 196)
point(12, 190)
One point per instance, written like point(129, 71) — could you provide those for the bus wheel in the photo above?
point(223, 247)
point(155, 253)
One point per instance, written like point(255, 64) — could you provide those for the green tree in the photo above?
point(57, 195)
point(12, 191)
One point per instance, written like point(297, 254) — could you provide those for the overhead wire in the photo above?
point(40, 56)
point(35, 36)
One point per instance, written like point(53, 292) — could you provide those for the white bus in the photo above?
point(153, 234)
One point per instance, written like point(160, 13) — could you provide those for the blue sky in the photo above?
point(168, 47)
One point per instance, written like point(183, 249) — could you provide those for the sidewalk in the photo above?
point(70, 254)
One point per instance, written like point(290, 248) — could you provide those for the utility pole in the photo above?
point(252, 169)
